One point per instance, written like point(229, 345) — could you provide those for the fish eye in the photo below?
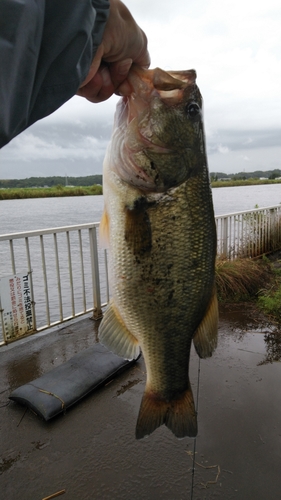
point(193, 109)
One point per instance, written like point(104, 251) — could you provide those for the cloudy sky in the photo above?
point(234, 46)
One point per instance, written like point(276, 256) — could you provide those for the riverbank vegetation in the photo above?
point(46, 182)
point(49, 192)
point(254, 280)
point(243, 182)
point(241, 279)
point(269, 299)
point(257, 174)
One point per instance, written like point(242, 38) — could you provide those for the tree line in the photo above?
point(91, 180)
point(30, 182)
point(268, 174)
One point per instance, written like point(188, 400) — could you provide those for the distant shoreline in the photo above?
point(50, 192)
point(61, 191)
point(244, 182)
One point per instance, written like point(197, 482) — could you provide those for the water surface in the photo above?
point(41, 213)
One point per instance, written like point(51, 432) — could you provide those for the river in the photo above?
point(41, 213)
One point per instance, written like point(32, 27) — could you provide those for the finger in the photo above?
point(124, 89)
point(99, 88)
point(119, 71)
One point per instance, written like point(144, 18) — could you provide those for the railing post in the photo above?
point(31, 281)
point(97, 312)
point(278, 215)
point(224, 237)
point(2, 323)
point(272, 229)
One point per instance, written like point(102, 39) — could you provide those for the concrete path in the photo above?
point(91, 453)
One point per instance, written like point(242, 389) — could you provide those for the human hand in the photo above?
point(123, 43)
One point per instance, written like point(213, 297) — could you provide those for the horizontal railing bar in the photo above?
point(39, 232)
point(64, 320)
point(54, 323)
point(253, 210)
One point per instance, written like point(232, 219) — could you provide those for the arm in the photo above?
point(49, 49)
point(46, 48)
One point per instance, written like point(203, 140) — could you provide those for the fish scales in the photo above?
point(162, 243)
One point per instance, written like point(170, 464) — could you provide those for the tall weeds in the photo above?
point(242, 279)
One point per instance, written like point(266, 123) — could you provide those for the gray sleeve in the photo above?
point(46, 48)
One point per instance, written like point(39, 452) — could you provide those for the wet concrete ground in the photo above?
point(91, 453)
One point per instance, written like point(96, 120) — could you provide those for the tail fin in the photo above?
point(178, 415)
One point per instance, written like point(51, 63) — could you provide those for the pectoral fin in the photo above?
point(114, 335)
point(138, 228)
point(205, 338)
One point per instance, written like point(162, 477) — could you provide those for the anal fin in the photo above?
point(206, 336)
point(114, 335)
point(178, 415)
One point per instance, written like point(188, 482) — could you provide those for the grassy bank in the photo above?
point(244, 182)
point(241, 279)
point(20, 193)
point(254, 280)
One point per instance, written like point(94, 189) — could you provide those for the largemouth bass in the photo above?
point(159, 225)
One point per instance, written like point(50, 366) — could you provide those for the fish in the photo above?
point(158, 224)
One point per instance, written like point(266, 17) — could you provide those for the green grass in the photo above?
point(269, 299)
point(244, 182)
point(256, 280)
point(21, 193)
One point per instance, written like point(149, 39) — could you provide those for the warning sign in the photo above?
point(16, 306)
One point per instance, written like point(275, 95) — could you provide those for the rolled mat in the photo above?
point(66, 384)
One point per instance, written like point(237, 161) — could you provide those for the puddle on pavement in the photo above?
point(273, 348)
point(245, 318)
point(243, 321)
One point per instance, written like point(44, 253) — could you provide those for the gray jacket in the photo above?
point(46, 48)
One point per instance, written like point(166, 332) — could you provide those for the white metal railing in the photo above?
point(68, 273)
point(249, 234)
